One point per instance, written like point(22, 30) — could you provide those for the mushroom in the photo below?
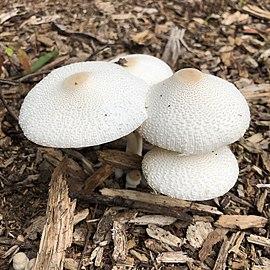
point(83, 104)
point(20, 261)
point(146, 67)
point(192, 112)
point(194, 177)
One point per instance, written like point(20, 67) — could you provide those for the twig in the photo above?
point(131, 203)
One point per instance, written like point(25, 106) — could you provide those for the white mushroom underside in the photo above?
point(195, 118)
point(109, 106)
point(196, 177)
point(146, 67)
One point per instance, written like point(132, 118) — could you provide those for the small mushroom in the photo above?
point(192, 112)
point(133, 179)
point(20, 261)
point(146, 67)
point(195, 177)
point(83, 104)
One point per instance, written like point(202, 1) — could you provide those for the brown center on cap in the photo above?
point(76, 80)
point(189, 75)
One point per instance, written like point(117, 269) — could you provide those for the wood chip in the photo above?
point(58, 231)
point(140, 256)
point(80, 216)
point(261, 201)
point(241, 222)
point(120, 159)
point(213, 237)
point(98, 177)
point(223, 252)
point(120, 241)
point(257, 12)
point(197, 233)
point(160, 200)
point(173, 257)
point(153, 219)
point(259, 240)
point(163, 236)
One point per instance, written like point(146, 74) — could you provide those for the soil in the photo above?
point(229, 39)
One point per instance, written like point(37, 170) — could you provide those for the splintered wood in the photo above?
point(58, 230)
point(241, 222)
point(159, 200)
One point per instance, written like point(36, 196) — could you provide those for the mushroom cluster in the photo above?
point(189, 116)
point(192, 117)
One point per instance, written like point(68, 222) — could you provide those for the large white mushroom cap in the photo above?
point(195, 177)
point(146, 67)
point(83, 104)
point(192, 112)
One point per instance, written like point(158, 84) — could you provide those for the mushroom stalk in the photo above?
point(134, 145)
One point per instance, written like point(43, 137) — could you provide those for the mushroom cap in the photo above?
point(83, 104)
point(196, 177)
point(20, 261)
point(146, 67)
point(192, 112)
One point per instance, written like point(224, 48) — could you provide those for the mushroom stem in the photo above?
point(134, 145)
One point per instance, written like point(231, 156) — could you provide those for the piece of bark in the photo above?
point(198, 232)
point(223, 252)
point(157, 246)
point(213, 238)
point(236, 248)
point(163, 236)
point(173, 257)
point(98, 177)
point(80, 216)
point(95, 198)
point(241, 222)
point(153, 219)
point(140, 256)
point(58, 231)
point(120, 241)
point(261, 201)
point(159, 200)
point(259, 240)
point(120, 159)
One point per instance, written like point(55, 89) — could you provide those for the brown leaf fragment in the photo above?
point(24, 60)
point(145, 37)
point(259, 240)
point(257, 12)
point(213, 238)
point(235, 17)
point(173, 257)
point(8, 15)
point(163, 236)
point(45, 40)
point(198, 232)
point(241, 222)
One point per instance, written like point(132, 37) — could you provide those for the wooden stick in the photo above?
point(58, 231)
point(160, 200)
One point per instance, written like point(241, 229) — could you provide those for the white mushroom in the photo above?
point(133, 178)
point(149, 68)
point(83, 104)
point(192, 112)
point(195, 177)
point(20, 261)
